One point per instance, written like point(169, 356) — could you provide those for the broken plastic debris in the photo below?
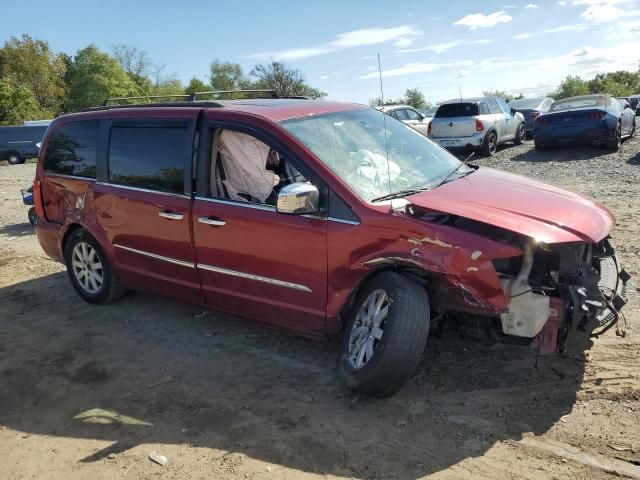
point(476, 255)
point(157, 458)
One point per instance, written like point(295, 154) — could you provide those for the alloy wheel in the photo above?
point(493, 144)
point(368, 328)
point(87, 267)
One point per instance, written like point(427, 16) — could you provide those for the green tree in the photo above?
point(171, 86)
point(498, 93)
point(570, 87)
point(618, 84)
point(17, 104)
point(94, 76)
point(285, 81)
point(415, 98)
point(226, 76)
point(196, 85)
point(30, 63)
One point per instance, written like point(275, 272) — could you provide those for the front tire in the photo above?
point(33, 216)
point(521, 135)
point(385, 336)
point(89, 269)
point(490, 144)
point(14, 158)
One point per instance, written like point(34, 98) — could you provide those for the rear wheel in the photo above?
point(490, 144)
point(521, 135)
point(614, 145)
point(14, 158)
point(633, 129)
point(89, 269)
point(33, 217)
point(385, 335)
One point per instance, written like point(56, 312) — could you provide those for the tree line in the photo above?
point(38, 83)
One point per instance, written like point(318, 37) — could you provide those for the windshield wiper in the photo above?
point(399, 194)
point(455, 170)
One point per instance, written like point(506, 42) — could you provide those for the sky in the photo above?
point(441, 47)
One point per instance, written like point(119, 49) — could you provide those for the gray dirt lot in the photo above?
point(89, 392)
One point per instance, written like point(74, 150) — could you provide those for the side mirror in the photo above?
point(513, 112)
point(298, 199)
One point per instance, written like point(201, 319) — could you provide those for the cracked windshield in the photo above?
point(353, 145)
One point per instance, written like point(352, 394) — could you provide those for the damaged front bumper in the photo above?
point(555, 290)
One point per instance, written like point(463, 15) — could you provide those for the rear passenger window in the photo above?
point(493, 106)
point(152, 158)
point(484, 110)
point(71, 150)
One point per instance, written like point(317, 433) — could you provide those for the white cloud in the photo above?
point(413, 68)
point(356, 38)
point(606, 13)
point(531, 6)
point(462, 73)
point(480, 20)
point(599, 2)
point(403, 42)
point(324, 77)
point(562, 2)
point(524, 36)
point(439, 48)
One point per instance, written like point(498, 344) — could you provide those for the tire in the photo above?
point(490, 144)
point(79, 257)
point(633, 129)
point(521, 135)
point(14, 158)
point(402, 336)
point(33, 218)
point(614, 145)
point(539, 146)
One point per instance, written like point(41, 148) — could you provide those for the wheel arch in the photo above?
point(418, 275)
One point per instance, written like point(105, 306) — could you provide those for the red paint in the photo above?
point(329, 258)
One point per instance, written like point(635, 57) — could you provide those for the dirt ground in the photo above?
point(90, 392)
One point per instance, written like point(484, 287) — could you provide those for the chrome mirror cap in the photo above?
point(298, 199)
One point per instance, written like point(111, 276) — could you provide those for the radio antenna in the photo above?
point(460, 90)
point(384, 124)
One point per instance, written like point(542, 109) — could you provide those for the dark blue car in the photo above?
point(531, 108)
point(20, 142)
point(593, 119)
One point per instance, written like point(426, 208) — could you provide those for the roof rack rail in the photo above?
point(193, 97)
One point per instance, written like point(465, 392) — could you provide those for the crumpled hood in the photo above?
point(546, 213)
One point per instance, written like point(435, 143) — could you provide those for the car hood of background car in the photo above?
point(519, 204)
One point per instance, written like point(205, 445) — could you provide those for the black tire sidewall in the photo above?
point(486, 148)
point(363, 378)
point(33, 217)
point(521, 135)
point(103, 295)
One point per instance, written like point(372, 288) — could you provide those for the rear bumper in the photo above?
point(471, 143)
point(49, 236)
point(596, 136)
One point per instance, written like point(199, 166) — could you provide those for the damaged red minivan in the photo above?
point(324, 218)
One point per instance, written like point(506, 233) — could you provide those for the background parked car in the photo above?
point(594, 119)
point(476, 124)
point(428, 112)
point(531, 108)
point(408, 115)
point(20, 142)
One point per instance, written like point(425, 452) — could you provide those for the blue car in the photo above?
point(531, 108)
point(593, 119)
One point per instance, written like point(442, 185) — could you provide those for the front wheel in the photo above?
point(89, 269)
point(385, 336)
point(521, 135)
point(14, 158)
point(490, 144)
point(33, 216)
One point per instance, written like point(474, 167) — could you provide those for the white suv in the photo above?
point(476, 124)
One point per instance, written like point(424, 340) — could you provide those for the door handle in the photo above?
point(168, 214)
point(213, 221)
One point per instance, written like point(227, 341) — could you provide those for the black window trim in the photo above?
point(104, 141)
point(54, 132)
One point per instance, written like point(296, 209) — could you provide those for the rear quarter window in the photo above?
point(457, 110)
point(71, 149)
point(151, 158)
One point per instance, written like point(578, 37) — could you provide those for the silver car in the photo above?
point(476, 124)
point(408, 115)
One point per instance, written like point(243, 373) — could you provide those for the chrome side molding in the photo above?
point(257, 278)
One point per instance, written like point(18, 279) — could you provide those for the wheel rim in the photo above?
point(492, 144)
point(87, 267)
point(368, 328)
point(522, 133)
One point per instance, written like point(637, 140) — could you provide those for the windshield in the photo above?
point(577, 102)
point(352, 145)
point(526, 103)
point(457, 110)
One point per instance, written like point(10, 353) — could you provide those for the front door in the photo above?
point(253, 261)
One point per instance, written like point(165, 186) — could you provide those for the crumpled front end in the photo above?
point(582, 284)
